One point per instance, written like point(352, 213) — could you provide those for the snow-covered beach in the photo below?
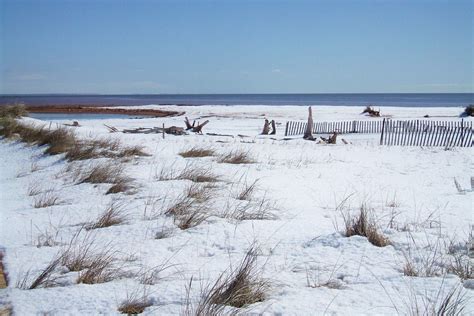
point(297, 195)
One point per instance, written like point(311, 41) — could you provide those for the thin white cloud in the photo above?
point(29, 77)
point(276, 70)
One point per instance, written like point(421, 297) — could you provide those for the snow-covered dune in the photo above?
point(419, 199)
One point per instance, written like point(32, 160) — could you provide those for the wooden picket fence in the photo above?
point(426, 133)
point(342, 127)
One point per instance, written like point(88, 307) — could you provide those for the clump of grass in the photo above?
point(452, 303)
point(197, 152)
point(133, 306)
point(250, 210)
point(198, 192)
point(94, 266)
point(190, 172)
point(180, 206)
point(236, 157)
point(47, 239)
point(101, 269)
point(241, 287)
point(48, 198)
point(102, 148)
point(44, 279)
point(247, 191)
point(59, 140)
point(7, 127)
point(193, 217)
point(13, 111)
point(461, 266)
point(364, 225)
point(132, 151)
point(113, 215)
point(106, 172)
point(426, 261)
point(189, 209)
point(123, 185)
point(33, 189)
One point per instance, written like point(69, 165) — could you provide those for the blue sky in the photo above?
point(139, 46)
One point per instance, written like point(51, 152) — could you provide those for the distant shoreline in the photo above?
point(99, 109)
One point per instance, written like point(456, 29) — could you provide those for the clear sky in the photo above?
point(139, 46)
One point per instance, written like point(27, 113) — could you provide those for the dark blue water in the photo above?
point(337, 99)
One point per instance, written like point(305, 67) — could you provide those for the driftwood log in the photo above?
point(198, 128)
point(193, 127)
point(369, 110)
point(308, 134)
point(266, 127)
point(173, 130)
point(111, 129)
point(274, 130)
point(331, 140)
point(188, 124)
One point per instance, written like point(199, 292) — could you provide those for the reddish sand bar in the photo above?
point(99, 110)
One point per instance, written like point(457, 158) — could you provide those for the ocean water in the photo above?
point(336, 99)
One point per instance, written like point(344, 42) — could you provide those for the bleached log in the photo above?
point(198, 128)
point(274, 130)
point(308, 134)
point(266, 127)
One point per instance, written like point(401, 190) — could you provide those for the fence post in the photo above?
point(381, 135)
point(286, 129)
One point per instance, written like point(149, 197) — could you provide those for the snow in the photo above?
point(312, 267)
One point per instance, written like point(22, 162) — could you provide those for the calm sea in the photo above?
point(336, 99)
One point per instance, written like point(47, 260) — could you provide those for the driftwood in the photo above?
point(308, 134)
point(193, 127)
point(274, 130)
point(74, 124)
point(369, 110)
point(111, 128)
point(266, 127)
point(331, 139)
point(173, 130)
point(198, 128)
point(188, 124)
point(215, 134)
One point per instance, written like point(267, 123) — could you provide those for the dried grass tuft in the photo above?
point(13, 111)
point(251, 210)
point(197, 152)
point(113, 215)
point(59, 140)
point(364, 225)
point(247, 191)
point(190, 172)
point(46, 199)
point(44, 279)
point(424, 261)
point(123, 185)
point(452, 303)
point(241, 287)
point(236, 157)
point(133, 306)
point(106, 172)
